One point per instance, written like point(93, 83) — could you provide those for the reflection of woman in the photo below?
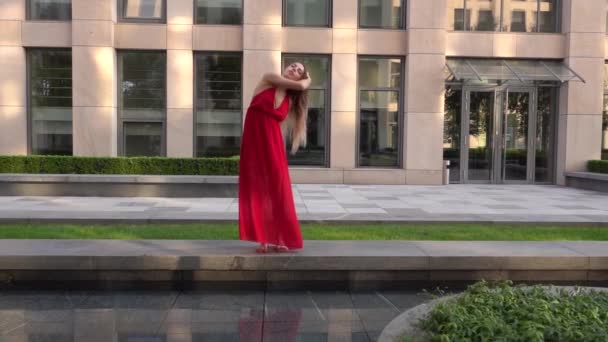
point(267, 212)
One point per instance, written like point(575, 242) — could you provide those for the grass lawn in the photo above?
point(466, 232)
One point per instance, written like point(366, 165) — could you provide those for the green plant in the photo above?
point(513, 314)
point(599, 166)
point(120, 165)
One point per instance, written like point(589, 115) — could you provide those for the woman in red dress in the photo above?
point(267, 212)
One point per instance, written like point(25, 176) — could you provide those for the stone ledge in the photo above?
point(149, 179)
point(355, 256)
point(118, 185)
point(587, 180)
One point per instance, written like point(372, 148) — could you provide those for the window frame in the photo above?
point(328, 109)
point(120, 120)
point(195, 92)
point(123, 19)
point(558, 19)
point(329, 11)
point(604, 114)
point(28, 13)
point(402, 23)
point(400, 113)
point(195, 16)
point(28, 100)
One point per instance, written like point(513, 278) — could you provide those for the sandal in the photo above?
point(281, 249)
point(262, 249)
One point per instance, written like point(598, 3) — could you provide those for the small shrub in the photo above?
point(512, 314)
point(599, 166)
point(119, 166)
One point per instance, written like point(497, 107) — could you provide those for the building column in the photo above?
point(261, 43)
point(344, 85)
point(13, 103)
point(180, 79)
point(424, 91)
point(94, 78)
point(580, 112)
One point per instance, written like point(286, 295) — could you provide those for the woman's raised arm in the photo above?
point(279, 81)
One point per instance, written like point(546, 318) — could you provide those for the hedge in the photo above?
point(599, 166)
point(119, 166)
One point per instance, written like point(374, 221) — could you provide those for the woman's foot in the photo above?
point(281, 249)
point(262, 248)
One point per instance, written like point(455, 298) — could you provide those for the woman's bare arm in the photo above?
point(278, 81)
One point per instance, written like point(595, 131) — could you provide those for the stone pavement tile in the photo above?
point(307, 198)
point(152, 300)
point(403, 212)
point(504, 206)
point(216, 306)
point(405, 300)
point(381, 198)
point(306, 331)
point(248, 330)
point(366, 210)
point(374, 328)
point(291, 306)
point(374, 307)
point(134, 204)
point(358, 205)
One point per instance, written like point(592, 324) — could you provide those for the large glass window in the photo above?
point(49, 9)
point(307, 13)
point(380, 83)
point(50, 101)
point(142, 102)
point(218, 104)
point(142, 10)
point(504, 15)
point(605, 116)
point(315, 153)
point(382, 14)
point(219, 12)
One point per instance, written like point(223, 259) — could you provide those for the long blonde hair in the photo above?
point(295, 124)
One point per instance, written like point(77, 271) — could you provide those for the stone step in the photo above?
point(350, 263)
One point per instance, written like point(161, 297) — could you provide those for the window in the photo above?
point(142, 10)
point(50, 101)
point(307, 13)
point(379, 129)
point(518, 21)
point(49, 10)
point(219, 12)
point(316, 151)
point(504, 15)
point(605, 116)
point(219, 108)
point(382, 14)
point(142, 99)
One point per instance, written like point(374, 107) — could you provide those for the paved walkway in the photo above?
point(246, 316)
point(454, 203)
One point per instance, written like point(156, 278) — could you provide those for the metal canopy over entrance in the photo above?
point(524, 71)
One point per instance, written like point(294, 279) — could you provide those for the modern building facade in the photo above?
point(508, 91)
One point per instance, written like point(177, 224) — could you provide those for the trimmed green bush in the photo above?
point(599, 166)
point(119, 166)
point(513, 314)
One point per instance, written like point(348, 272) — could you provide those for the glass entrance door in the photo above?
point(497, 145)
point(517, 152)
point(479, 135)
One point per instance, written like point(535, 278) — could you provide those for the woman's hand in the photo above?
point(306, 81)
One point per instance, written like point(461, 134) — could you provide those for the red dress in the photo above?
point(267, 213)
